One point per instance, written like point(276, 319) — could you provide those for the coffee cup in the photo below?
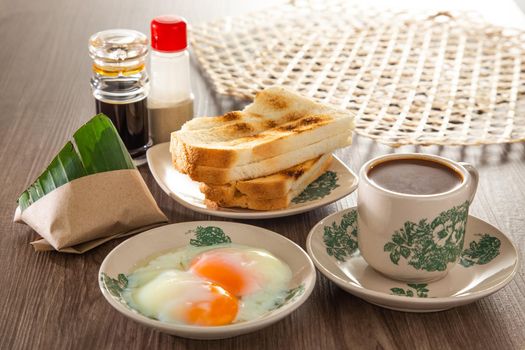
point(412, 214)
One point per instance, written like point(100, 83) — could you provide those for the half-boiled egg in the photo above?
point(181, 297)
point(209, 286)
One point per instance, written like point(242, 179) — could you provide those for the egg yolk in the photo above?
point(220, 310)
point(221, 272)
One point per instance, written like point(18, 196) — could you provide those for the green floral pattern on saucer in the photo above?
point(341, 239)
point(318, 189)
point(481, 252)
point(431, 245)
point(419, 290)
point(488, 262)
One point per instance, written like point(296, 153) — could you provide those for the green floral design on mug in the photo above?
point(341, 240)
point(481, 252)
point(430, 246)
point(320, 188)
point(419, 290)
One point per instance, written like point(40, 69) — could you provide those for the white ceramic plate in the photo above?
point(489, 261)
point(338, 182)
point(123, 260)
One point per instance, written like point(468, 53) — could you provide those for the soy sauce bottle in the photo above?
point(120, 84)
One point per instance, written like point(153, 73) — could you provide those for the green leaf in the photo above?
point(24, 201)
point(71, 166)
point(431, 245)
point(115, 286)
point(481, 252)
point(320, 188)
point(420, 290)
point(123, 280)
point(467, 262)
point(340, 238)
point(397, 239)
point(394, 256)
point(108, 152)
point(398, 291)
point(389, 247)
point(209, 235)
point(47, 182)
point(442, 234)
point(291, 295)
point(98, 149)
point(405, 252)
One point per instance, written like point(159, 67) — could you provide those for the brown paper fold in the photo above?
point(92, 210)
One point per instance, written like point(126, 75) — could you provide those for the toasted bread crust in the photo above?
point(266, 187)
point(258, 191)
point(264, 190)
point(217, 193)
point(254, 204)
point(229, 196)
point(275, 101)
point(276, 119)
point(219, 158)
point(191, 155)
point(221, 176)
point(186, 157)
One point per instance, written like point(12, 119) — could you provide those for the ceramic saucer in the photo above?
point(488, 262)
point(122, 260)
point(337, 182)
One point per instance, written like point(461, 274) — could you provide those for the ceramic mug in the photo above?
point(413, 238)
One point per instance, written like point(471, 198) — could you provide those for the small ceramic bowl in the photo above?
point(122, 260)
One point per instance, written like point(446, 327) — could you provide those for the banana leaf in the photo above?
point(99, 148)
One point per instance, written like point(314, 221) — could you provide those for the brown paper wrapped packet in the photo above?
point(91, 210)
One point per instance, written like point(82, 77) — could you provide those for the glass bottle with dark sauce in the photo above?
point(120, 84)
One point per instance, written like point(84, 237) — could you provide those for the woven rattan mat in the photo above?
point(411, 78)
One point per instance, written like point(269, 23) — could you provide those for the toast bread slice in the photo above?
point(277, 122)
point(220, 176)
point(271, 186)
point(258, 194)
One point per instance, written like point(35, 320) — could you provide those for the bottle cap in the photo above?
point(118, 51)
point(168, 33)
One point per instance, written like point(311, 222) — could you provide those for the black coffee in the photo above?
point(414, 176)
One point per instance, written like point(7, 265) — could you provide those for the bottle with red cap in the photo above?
point(170, 101)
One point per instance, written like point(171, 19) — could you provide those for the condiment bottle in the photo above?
point(120, 84)
point(171, 100)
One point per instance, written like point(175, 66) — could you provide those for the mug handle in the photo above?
point(475, 178)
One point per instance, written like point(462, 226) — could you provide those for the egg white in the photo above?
point(163, 282)
point(165, 296)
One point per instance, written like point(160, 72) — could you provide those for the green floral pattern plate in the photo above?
point(337, 182)
point(125, 257)
point(488, 262)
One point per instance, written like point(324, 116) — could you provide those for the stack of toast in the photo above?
point(263, 156)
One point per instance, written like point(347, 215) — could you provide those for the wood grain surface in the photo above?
point(52, 300)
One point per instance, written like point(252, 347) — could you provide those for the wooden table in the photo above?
point(52, 300)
